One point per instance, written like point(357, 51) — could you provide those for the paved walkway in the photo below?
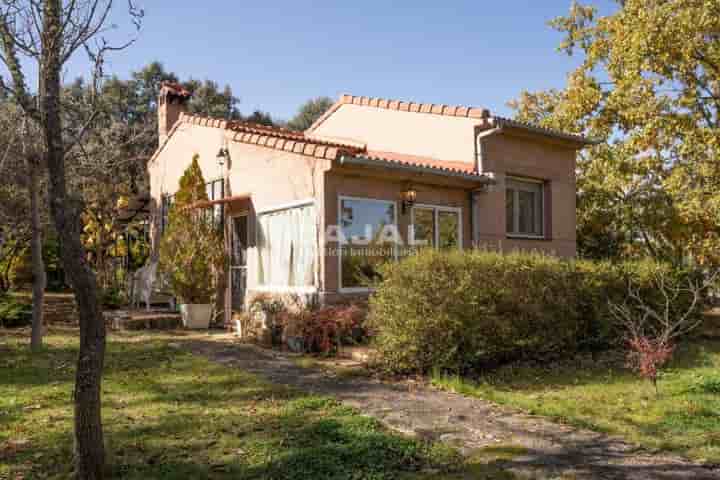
point(546, 450)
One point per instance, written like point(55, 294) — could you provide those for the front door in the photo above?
point(238, 261)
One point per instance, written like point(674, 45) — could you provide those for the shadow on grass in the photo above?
point(591, 368)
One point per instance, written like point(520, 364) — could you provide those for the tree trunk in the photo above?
point(65, 210)
point(38, 266)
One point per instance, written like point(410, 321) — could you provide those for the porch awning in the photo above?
point(221, 201)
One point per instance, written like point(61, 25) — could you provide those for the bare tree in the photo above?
point(32, 164)
point(50, 32)
point(653, 327)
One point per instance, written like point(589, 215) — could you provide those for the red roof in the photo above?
point(297, 142)
point(484, 117)
point(418, 161)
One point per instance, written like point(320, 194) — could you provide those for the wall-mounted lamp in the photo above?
point(222, 156)
point(409, 195)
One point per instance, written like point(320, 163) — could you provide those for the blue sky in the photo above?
point(277, 54)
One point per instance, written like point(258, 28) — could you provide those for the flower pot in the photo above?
point(196, 315)
point(296, 344)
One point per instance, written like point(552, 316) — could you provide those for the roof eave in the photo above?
point(363, 161)
point(579, 140)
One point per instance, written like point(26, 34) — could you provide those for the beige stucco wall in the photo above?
point(525, 156)
point(424, 134)
point(271, 177)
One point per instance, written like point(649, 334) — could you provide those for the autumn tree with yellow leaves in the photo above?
point(649, 88)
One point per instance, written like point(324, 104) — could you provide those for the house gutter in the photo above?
point(473, 194)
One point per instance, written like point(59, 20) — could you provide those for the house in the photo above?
point(315, 212)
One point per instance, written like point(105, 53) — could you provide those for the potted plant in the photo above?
point(192, 250)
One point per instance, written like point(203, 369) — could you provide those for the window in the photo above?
point(524, 208)
point(364, 242)
point(166, 204)
point(216, 191)
point(437, 227)
point(286, 245)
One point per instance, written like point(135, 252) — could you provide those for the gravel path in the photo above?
point(546, 450)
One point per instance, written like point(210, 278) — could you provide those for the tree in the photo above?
point(648, 86)
point(309, 112)
point(261, 118)
point(652, 328)
point(207, 99)
point(21, 165)
point(191, 250)
point(50, 32)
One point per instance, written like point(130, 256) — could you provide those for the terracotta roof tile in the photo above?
point(419, 161)
point(482, 115)
point(272, 137)
point(290, 141)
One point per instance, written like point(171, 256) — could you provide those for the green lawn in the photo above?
point(602, 395)
point(171, 415)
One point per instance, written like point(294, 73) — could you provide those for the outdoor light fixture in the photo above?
point(222, 155)
point(409, 195)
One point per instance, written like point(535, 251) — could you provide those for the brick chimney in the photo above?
point(171, 103)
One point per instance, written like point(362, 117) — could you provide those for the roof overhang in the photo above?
point(579, 141)
point(221, 201)
point(362, 161)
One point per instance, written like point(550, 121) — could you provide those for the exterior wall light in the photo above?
point(409, 195)
point(222, 156)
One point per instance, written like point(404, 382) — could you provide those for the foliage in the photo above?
point(651, 186)
point(260, 117)
point(647, 356)
point(309, 112)
point(652, 329)
point(325, 329)
point(191, 250)
point(596, 391)
point(14, 313)
point(208, 420)
point(462, 311)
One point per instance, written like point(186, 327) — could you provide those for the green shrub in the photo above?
point(460, 311)
point(192, 249)
point(13, 313)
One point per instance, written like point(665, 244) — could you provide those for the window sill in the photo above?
point(356, 290)
point(527, 237)
point(281, 289)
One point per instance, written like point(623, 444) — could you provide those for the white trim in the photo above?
point(436, 220)
point(286, 206)
point(520, 236)
point(282, 289)
point(342, 289)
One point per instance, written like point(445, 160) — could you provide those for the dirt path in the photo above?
point(541, 449)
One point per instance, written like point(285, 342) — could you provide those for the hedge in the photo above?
point(461, 311)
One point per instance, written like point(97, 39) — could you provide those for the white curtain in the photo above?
point(286, 244)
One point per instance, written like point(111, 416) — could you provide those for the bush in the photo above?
point(322, 330)
point(14, 314)
point(192, 247)
point(461, 311)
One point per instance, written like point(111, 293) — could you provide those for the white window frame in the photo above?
point(516, 208)
point(436, 220)
point(279, 288)
point(342, 289)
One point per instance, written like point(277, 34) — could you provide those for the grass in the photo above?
point(171, 415)
point(600, 394)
